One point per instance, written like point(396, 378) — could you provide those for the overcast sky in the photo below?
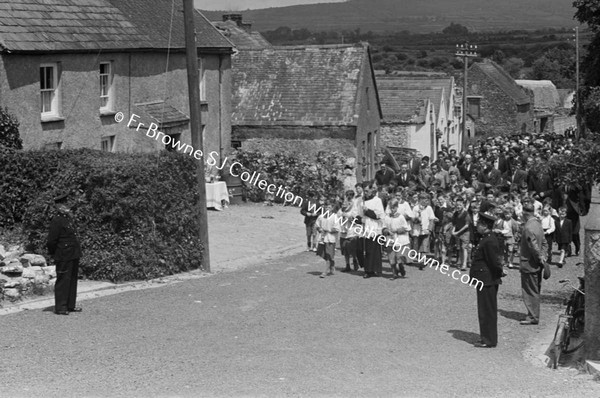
point(241, 5)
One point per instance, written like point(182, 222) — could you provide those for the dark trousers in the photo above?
point(550, 241)
point(360, 251)
point(531, 286)
point(487, 310)
point(372, 257)
point(65, 289)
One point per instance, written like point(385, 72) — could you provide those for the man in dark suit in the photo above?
point(467, 168)
point(487, 269)
point(533, 250)
point(404, 177)
point(384, 175)
point(64, 246)
point(516, 178)
point(490, 176)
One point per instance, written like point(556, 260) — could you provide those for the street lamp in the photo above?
point(465, 51)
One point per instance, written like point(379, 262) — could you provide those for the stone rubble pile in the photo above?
point(24, 274)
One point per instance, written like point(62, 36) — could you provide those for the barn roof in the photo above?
point(403, 99)
point(545, 94)
point(303, 85)
point(503, 80)
point(242, 38)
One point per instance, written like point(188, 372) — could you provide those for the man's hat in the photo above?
point(487, 218)
point(528, 208)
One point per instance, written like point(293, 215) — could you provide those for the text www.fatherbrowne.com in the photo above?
point(152, 132)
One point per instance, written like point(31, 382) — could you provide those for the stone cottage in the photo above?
point(550, 115)
point(67, 68)
point(308, 99)
point(496, 103)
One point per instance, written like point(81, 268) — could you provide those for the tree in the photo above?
point(455, 29)
point(513, 66)
point(557, 65)
point(9, 130)
point(588, 12)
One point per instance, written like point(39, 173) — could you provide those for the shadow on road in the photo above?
point(514, 315)
point(468, 337)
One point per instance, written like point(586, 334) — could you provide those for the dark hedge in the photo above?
point(137, 214)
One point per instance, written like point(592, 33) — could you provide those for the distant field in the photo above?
point(417, 16)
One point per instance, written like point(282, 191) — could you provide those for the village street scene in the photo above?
point(299, 198)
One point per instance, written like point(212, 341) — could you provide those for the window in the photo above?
point(236, 144)
point(202, 77)
point(175, 138)
point(474, 107)
point(108, 143)
point(49, 91)
point(53, 146)
point(107, 92)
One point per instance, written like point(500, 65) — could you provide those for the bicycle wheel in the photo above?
point(575, 328)
point(559, 336)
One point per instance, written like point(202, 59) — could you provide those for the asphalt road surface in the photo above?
point(277, 329)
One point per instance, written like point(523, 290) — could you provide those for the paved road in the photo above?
point(276, 329)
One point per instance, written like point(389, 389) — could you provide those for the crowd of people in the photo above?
point(435, 206)
point(486, 208)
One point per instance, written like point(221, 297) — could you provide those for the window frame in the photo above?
point(109, 108)
point(110, 139)
point(202, 79)
point(55, 111)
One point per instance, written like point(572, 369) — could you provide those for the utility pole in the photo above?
point(191, 51)
point(465, 51)
point(580, 132)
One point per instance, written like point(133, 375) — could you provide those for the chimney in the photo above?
point(237, 18)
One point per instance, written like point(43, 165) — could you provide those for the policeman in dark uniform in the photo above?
point(63, 245)
point(487, 268)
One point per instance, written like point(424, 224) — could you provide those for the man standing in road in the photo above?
point(63, 245)
point(533, 250)
point(487, 268)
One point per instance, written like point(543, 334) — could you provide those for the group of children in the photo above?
point(440, 224)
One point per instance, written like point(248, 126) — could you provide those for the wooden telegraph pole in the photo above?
point(196, 119)
point(465, 51)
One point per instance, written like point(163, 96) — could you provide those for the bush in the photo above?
point(9, 130)
point(323, 175)
point(137, 215)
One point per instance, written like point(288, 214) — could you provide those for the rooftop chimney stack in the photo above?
point(237, 18)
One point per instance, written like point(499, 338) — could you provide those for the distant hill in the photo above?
point(419, 16)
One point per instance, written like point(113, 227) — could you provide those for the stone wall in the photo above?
point(395, 134)
point(304, 140)
point(499, 114)
point(23, 274)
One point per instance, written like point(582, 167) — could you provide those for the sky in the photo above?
point(242, 5)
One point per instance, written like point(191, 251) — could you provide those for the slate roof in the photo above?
point(242, 38)
point(403, 100)
point(503, 80)
point(80, 25)
point(545, 94)
point(163, 114)
point(305, 85)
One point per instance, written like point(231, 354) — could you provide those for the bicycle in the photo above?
point(571, 323)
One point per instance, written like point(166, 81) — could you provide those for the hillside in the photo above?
point(414, 15)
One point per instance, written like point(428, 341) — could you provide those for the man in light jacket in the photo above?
point(533, 261)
